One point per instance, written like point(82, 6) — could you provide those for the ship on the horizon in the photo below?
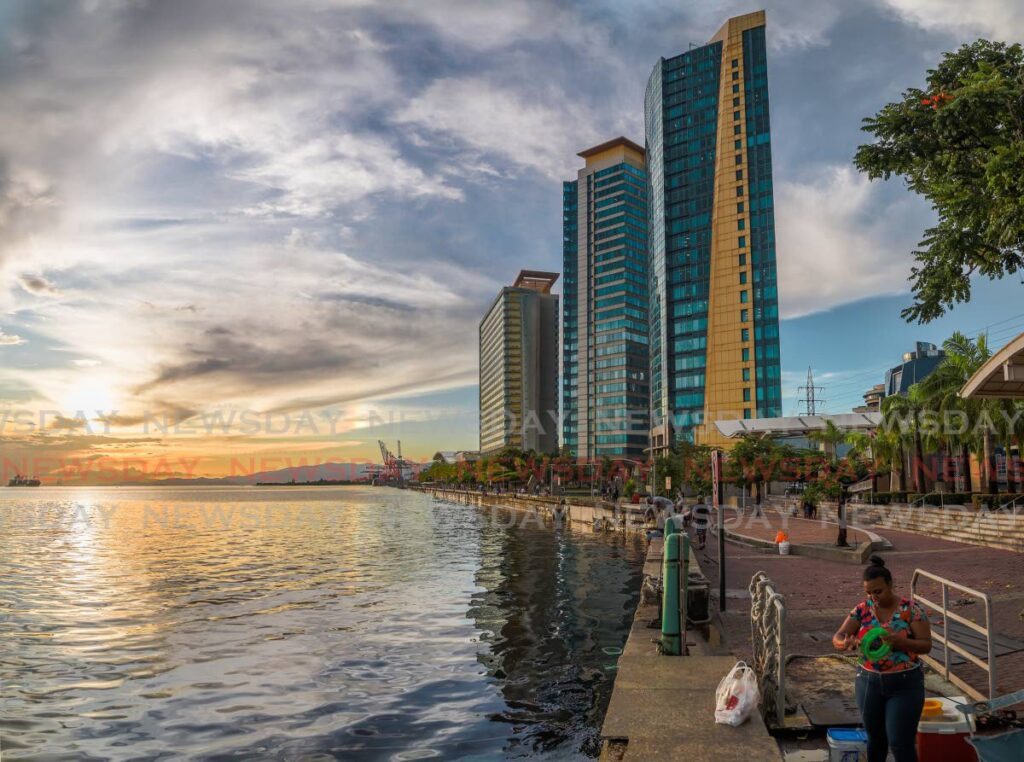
point(23, 481)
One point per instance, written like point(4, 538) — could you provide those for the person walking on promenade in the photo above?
point(700, 517)
point(890, 687)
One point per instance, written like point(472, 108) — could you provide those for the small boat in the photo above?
point(23, 481)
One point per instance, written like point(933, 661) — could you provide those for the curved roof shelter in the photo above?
point(803, 424)
point(1002, 377)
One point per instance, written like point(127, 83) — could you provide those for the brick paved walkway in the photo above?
point(820, 593)
point(801, 531)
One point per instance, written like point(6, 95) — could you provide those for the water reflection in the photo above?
point(299, 623)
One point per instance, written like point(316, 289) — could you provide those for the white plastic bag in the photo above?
point(737, 696)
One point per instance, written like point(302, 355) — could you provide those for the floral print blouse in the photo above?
point(907, 611)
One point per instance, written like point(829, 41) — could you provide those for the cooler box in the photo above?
point(944, 738)
point(847, 745)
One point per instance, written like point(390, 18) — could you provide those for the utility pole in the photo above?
point(812, 400)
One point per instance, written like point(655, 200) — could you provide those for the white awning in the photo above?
point(798, 424)
point(1002, 377)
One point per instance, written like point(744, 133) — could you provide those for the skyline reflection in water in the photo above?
point(301, 623)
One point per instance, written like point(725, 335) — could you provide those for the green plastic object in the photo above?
point(872, 646)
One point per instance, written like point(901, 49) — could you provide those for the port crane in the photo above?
point(394, 466)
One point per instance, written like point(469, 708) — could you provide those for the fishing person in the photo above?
point(892, 633)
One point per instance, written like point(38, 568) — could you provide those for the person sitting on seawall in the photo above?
point(890, 689)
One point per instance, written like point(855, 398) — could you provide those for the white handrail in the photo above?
point(989, 665)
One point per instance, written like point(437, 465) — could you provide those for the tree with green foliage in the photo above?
point(960, 144)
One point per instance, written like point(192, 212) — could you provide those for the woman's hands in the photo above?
point(897, 640)
point(844, 641)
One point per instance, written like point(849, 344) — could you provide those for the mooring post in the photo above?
point(670, 621)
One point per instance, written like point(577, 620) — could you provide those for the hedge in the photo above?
point(993, 502)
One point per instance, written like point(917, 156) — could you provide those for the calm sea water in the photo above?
point(301, 623)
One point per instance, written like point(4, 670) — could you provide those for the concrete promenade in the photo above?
point(819, 593)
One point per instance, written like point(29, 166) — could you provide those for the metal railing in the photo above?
point(768, 634)
point(988, 664)
point(1012, 505)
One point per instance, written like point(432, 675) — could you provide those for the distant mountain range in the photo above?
point(298, 474)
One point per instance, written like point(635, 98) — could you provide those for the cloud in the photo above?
point(996, 19)
point(37, 285)
point(28, 202)
point(523, 131)
point(841, 239)
point(8, 339)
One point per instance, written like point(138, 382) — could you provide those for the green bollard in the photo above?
point(671, 637)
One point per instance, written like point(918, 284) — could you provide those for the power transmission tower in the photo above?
point(812, 400)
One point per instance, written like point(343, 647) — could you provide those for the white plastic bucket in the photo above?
point(784, 548)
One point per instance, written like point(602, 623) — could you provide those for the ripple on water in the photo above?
point(332, 623)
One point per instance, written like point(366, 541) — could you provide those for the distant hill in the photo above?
point(298, 474)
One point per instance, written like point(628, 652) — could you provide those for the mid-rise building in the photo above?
point(714, 330)
point(519, 367)
point(915, 366)
point(605, 390)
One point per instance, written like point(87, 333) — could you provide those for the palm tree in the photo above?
point(831, 437)
point(964, 356)
point(902, 415)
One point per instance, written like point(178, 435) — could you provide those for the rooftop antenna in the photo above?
point(812, 400)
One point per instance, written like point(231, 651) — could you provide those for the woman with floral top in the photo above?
point(890, 690)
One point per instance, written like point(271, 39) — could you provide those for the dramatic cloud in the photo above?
point(281, 206)
point(841, 240)
point(38, 285)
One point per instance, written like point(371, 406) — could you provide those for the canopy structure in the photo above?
point(1002, 377)
point(804, 424)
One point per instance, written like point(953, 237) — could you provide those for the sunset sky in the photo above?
point(234, 215)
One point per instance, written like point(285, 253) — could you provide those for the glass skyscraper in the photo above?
point(714, 330)
point(605, 359)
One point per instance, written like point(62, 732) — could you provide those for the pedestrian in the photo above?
point(889, 688)
point(700, 517)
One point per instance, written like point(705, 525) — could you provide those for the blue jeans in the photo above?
point(890, 705)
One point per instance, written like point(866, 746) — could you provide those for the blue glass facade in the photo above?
point(762, 225)
point(681, 116)
point(605, 321)
point(570, 318)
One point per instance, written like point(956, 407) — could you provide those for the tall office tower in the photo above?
point(605, 390)
point(714, 297)
point(519, 367)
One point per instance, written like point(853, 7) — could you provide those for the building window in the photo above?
point(744, 316)
point(746, 413)
point(743, 277)
point(735, 102)
point(746, 354)
point(735, 76)
point(743, 260)
point(746, 394)
point(741, 224)
point(735, 88)
point(739, 208)
point(739, 190)
point(739, 174)
point(737, 130)
point(744, 334)
point(743, 242)
point(735, 116)
point(743, 297)
point(746, 374)
point(739, 158)
point(738, 145)
point(735, 62)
